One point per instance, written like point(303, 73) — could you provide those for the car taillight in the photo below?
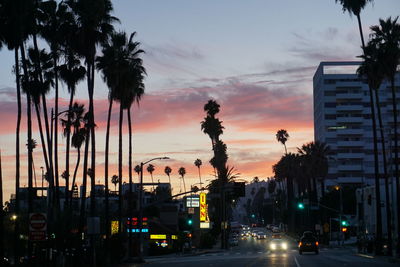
point(316, 243)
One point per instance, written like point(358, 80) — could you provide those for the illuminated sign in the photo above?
point(205, 225)
point(192, 202)
point(114, 227)
point(144, 230)
point(158, 236)
point(174, 237)
point(203, 208)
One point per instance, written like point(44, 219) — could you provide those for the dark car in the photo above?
point(308, 244)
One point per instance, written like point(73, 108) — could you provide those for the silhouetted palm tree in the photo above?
point(316, 155)
point(282, 136)
point(123, 72)
point(288, 168)
point(168, 171)
point(115, 180)
point(198, 164)
point(386, 37)
point(373, 71)
point(150, 169)
point(94, 22)
point(137, 170)
point(182, 172)
point(354, 7)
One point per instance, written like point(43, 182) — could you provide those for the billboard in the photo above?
point(203, 208)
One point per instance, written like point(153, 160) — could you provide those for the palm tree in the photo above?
point(137, 169)
point(115, 180)
point(182, 172)
point(315, 155)
point(123, 72)
point(150, 169)
point(94, 27)
point(198, 163)
point(16, 21)
point(386, 37)
point(77, 119)
point(36, 87)
point(354, 7)
point(288, 168)
point(372, 69)
point(168, 171)
point(282, 136)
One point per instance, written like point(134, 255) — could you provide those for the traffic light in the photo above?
point(300, 206)
point(344, 229)
point(253, 215)
point(189, 220)
point(344, 223)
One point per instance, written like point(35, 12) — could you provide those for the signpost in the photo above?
point(37, 226)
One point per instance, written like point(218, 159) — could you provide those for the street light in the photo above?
point(141, 206)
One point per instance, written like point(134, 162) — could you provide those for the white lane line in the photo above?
point(297, 263)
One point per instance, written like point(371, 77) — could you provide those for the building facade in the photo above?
point(342, 119)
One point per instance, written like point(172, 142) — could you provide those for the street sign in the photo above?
point(192, 202)
point(37, 226)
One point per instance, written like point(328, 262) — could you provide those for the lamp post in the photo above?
point(141, 206)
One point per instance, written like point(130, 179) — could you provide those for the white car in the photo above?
point(278, 244)
point(261, 235)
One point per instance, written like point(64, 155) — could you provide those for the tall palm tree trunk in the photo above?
point(385, 174)
point(45, 156)
point(30, 156)
point(183, 180)
point(93, 150)
point(106, 210)
point(200, 177)
point(78, 160)
point(56, 171)
point(121, 117)
point(17, 157)
point(84, 183)
point(376, 159)
point(71, 99)
point(130, 176)
point(396, 160)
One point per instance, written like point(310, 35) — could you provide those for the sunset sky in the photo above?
point(256, 58)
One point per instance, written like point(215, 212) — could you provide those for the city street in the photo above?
point(252, 252)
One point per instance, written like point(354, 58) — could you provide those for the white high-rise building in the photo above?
point(342, 119)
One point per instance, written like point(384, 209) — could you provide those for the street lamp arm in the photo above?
point(159, 158)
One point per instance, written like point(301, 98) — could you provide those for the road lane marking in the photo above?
point(365, 256)
point(297, 263)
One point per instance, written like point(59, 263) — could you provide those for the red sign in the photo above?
point(37, 226)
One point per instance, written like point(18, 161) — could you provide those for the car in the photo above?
point(278, 244)
point(308, 243)
point(254, 234)
point(261, 235)
point(233, 242)
point(275, 229)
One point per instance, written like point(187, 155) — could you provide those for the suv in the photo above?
point(308, 243)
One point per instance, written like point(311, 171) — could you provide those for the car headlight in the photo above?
point(284, 245)
point(272, 246)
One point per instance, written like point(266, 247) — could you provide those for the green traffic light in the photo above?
point(253, 216)
point(300, 206)
point(344, 223)
point(190, 222)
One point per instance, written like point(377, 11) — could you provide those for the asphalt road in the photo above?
point(252, 252)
